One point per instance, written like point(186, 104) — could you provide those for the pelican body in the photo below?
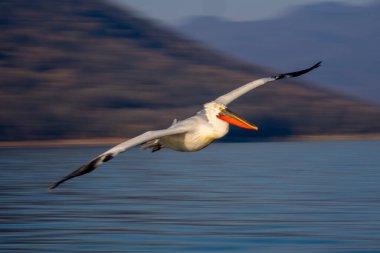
point(191, 134)
point(201, 130)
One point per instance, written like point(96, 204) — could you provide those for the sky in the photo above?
point(174, 11)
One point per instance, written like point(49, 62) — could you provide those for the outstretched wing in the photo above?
point(109, 154)
point(231, 96)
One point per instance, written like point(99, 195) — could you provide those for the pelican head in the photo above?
point(221, 112)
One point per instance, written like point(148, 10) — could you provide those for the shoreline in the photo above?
point(117, 140)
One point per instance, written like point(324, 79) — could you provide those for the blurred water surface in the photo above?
point(251, 197)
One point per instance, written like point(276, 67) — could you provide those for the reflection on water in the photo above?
point(252, 197)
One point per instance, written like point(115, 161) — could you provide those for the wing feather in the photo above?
point(234, 94)
point(111, 153)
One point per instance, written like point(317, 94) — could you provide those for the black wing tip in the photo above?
point(73, 174)
point(297, 73)
point(84, 169)
point(53, 186)
point(76, 173)
point(56, 184)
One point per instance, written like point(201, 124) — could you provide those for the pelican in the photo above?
point(191, 134)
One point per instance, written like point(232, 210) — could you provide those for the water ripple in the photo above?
point(262, 197)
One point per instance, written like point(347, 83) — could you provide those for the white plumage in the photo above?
point(191, 134)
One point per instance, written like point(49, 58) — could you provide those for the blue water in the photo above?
point(251, 197)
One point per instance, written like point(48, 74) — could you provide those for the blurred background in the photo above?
point(93, 70)
point(97, 69)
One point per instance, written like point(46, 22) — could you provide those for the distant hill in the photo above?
point(82, 69)
point(346, 37)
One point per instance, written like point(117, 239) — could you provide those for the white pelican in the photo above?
point(191, 134)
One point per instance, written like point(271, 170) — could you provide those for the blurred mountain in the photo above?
point(345, 37)
point(81, 69)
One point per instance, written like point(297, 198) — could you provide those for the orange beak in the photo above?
point(233, 119)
